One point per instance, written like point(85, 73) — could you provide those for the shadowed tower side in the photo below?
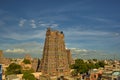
point(54, 60)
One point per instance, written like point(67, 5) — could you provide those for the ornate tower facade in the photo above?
point(55, 57)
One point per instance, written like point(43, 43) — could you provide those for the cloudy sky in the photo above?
point(91, 27)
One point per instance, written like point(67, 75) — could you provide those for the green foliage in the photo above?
point(74, 73)
point(26, 61)
point(13, 69)
point(81, 67)
point(91, 65)
point(101, 63)
point(95, 60)
point(28, 76)
point(97, 65)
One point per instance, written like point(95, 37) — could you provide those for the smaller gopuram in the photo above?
point(3, 60)
point(28, 57)
point(1, 56)
point(56, 59)
point(1, 53)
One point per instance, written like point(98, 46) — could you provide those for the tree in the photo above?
point(101, 63)
point(97, 65)
point(28, 76)
point(74, 73)
point(80, 66)
point(95, 60)
point(26, 61)
point(91, 65)
point(13, 69)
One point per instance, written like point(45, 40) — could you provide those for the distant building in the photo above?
point(107, 75)
point(28, 57)
point(116, 75)
point(3, 60)
point(70, 60)
point(35, 64)
point(12, 77)
point(56, 58)
point(96, 74)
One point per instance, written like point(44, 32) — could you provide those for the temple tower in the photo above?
point(55, 57)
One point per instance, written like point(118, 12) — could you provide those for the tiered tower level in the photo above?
point(55, 58)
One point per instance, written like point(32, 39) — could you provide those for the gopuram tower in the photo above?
point(55, 58)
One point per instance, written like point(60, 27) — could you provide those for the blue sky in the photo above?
point(91, 27)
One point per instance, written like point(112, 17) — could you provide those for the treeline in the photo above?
point(14, 68)
point(81, 66)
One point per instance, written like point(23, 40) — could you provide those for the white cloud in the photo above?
point(40, 34)
point(77, 50)
point(22, 22)
point(89, 54)
point(101, 19)
point(32, 23)
point(117, 34)
point(44, 25)
point(25, 47)
point(37, 23)
point(15, 50)
point(78, 32)
point(82, 50)
point(54, 25)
